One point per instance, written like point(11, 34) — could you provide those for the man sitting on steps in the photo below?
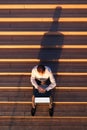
point(43, 82)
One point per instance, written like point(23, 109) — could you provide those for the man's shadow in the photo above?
point(48, 55)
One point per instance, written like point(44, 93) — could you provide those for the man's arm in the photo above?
point(52, 80)
point(32, 79)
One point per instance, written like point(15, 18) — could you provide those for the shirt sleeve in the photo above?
point(32, 79)
point(52, 80)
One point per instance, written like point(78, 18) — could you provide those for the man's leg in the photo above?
point(51, 102)
point(33, 101)
point(33, 109)
point(51, 107)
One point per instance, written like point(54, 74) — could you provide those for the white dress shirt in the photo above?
point(47, 74)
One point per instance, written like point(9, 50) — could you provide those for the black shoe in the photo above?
point(33, 110)
point(51, 111)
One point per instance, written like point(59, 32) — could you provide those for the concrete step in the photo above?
point(21, 95)
point(64, 109)
point(40, 13)
point(40, 40)
point(44, 54)
point(59, 67)
point(43, 2)
point(35, 123)
point(43, 26)
point(24, 80)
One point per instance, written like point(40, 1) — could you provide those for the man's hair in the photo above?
point(41, 68)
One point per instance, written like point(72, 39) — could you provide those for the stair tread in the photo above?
point(43, 122)
point(41, 26)
point(27, 67)
point(44, 13)
point(43, 54)
point(34, 40)
point(22, 80)
point(22, 127)
point(59, 95)
point(45, 1)
point(61, 109)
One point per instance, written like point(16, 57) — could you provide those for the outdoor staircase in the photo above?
point(53, 32)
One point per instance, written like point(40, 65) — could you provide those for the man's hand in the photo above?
point(41, 90)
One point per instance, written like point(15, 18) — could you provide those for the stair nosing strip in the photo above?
point(22, 102)
point(41, 46)
point(28, 73)
point(30, 88)
point(42, 117)
point(38, 60)
point(43, 6)
point(36, 33)
point(25, 19)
